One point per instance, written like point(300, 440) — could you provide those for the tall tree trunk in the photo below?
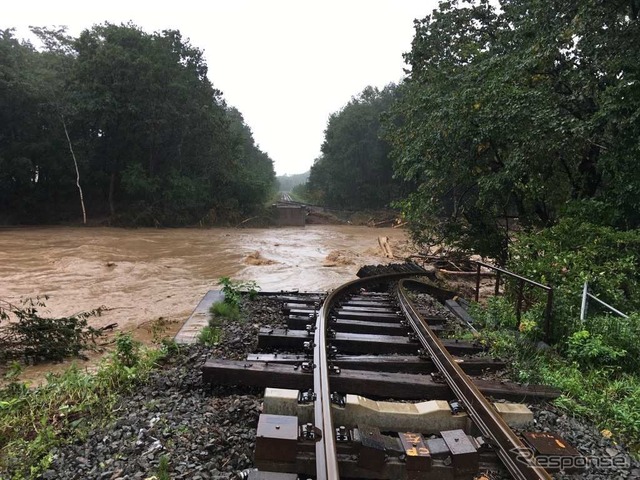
point(75, 163)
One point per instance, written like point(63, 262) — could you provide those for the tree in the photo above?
point(515, 113)
point(36, 177)
point(152, 139)
point(354, 170)
point(150, 112)
point(255, 178)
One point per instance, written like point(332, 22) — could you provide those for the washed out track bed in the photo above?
point(248, 407)
point(353, 390)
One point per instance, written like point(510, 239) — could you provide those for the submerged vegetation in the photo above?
point(26, 335)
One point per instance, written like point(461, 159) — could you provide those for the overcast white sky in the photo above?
point(285, 64)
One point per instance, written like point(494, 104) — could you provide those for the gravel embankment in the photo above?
point(205, 432)
point(607, 460)
point(209, 432)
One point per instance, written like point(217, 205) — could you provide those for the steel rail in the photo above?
point(326, 456)
point(510, 449)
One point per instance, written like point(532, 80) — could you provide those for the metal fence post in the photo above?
point(478, 283)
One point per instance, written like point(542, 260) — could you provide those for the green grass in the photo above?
point(594, 371)
point(220, 311)
point(35, 420)
point(209, 336)
point(223, 310)
point(606, 396)
point(163, 468)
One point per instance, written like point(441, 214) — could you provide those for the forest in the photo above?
point(124, 127)
point(514, 117)
point(515, 135)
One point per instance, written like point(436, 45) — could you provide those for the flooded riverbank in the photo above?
point(149, 277)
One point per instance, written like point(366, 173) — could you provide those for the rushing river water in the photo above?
point(146, 274)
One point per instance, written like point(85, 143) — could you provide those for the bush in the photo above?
point(602, 394)
point(499, 313)
point(33, 337)
point(234, 289)
point(592, 351)
point(575, 251)
point(619, 334)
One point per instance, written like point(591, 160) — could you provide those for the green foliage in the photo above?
point(234, 289)
point(605, 396)
point(618, 334)
point(163, 468)
point(229, 311)
point(513, 112)
point(355, 170)
point(33, 421)
point(150, 151)
point(575, 251)
point(127, 350)
point(498, 313)
point(31, 336)
point(592, 351)
point(209, 335)
point(169, 346)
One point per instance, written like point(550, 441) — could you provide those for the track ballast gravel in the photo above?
point(208, 432)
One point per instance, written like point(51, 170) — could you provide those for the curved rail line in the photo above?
point(326, 456)
point(490, 423)
point(478, 407)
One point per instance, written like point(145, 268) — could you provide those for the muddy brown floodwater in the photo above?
point(148, 276)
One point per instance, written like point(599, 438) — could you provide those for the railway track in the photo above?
point(370, 339)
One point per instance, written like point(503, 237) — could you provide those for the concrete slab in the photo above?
point(429, 417)
point(198, 319)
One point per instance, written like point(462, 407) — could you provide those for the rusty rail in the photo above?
point(488, 421)
point(326, 456)
point(548, 311)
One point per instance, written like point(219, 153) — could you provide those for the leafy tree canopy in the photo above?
point(355, 170)
point(155, 141)
point(519, 112)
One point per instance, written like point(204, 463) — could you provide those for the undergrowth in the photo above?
point(591, 372)
point(27, 335)
point(33, 421)
point(228, 309)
